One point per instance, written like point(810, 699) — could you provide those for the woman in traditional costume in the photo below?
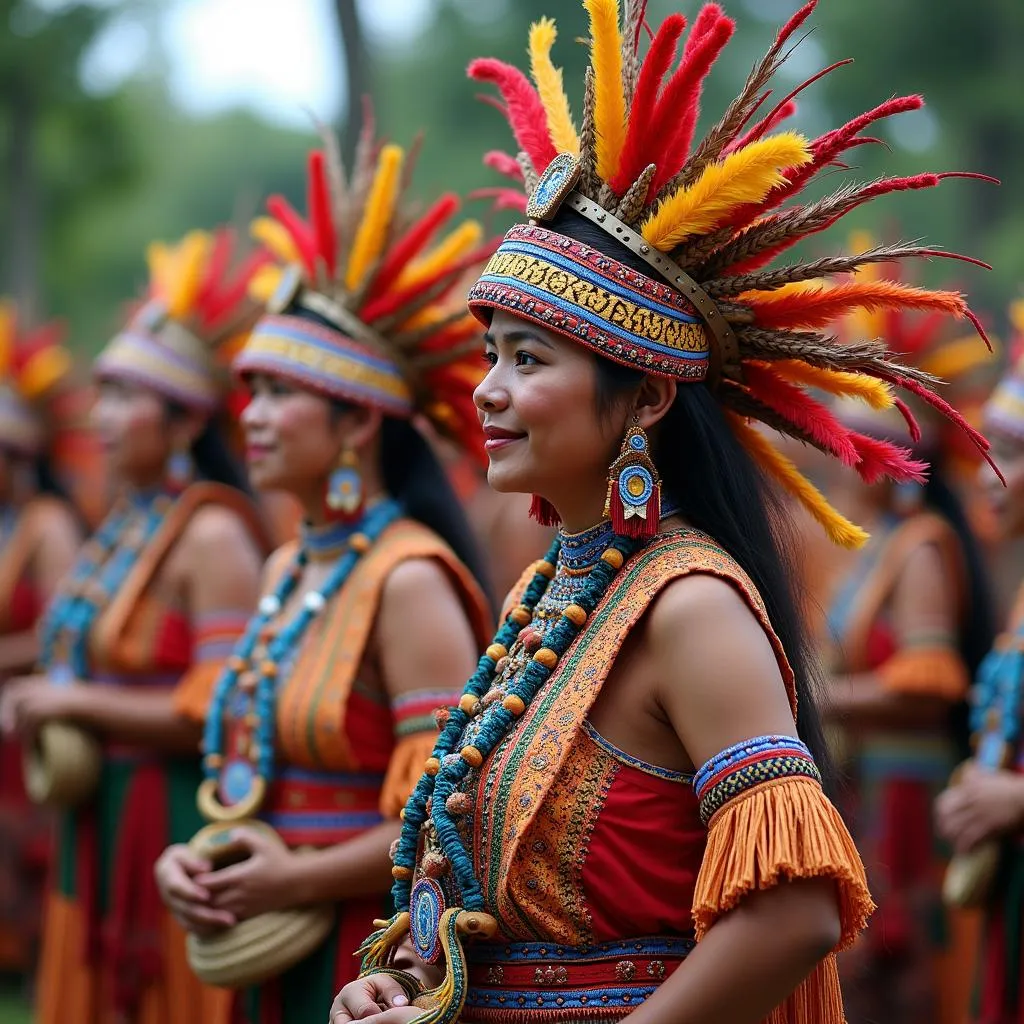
point(982, 813)
point(319, 727)
point(39, 535)
point(909, 620)
point(143, 622)
point(634, 322)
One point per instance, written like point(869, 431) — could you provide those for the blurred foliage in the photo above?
point(117, 170)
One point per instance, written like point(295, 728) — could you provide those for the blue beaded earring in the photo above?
point(180, 469)
point(633, 500)
point(345, 497)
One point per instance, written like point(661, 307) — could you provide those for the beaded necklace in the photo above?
point(249, 683)
point(996, 701)
point(100, 570)
point(566, 587)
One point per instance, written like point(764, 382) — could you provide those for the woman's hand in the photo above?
point(176, 872)
point(28, 702)
point(377, 996)
point(266, 880)
point(982, 805)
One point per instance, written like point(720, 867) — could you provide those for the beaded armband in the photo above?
point(414, 711)
point(744, 766)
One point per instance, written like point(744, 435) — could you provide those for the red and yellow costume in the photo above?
point(360, 317)
point(552, 876)
point(37, 411)
point(109, 948)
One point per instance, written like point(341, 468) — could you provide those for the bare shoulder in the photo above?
point(718, 677)
point(51, 516)
point(213, 527)
point(416, 582)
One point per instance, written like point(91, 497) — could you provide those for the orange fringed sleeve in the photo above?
point(415, 735)
point(935, 671)
point(768, 822)
point(215, 638)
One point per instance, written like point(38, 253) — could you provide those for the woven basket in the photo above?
point(62, 767)
point(262, 947)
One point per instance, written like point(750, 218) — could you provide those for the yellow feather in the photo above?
point(548, 80)
point(1017, 314)
point(264, 283)
point(745, 176)
point(839, 529)
point(958, 358)
point(459, 242)
point(609, 101)
point(161, 268)
point(876, 393)
point(8, 321)
point(190, 258)
point(274, 236)
point(372, 233)
point(45, 369)
point(424, 318)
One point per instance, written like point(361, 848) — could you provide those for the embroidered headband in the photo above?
point(709, 219)
point(196, 314)
point(365, 305)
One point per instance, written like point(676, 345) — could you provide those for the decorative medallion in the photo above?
point(555, 184)
point(426, 905)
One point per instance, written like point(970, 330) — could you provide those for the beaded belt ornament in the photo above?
point(568, 287)
point(538, 981)
point(744, 766)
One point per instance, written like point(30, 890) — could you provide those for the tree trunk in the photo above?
point(357, 73)
point(21, 251)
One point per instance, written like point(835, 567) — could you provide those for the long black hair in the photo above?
point(211, 454)
point(718, 488)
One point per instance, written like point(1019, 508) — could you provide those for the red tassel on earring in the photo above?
point(633, 501)
point(544, 512)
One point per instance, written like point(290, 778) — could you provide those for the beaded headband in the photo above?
point(709, 219)
point(385, 324)
point(196, 313)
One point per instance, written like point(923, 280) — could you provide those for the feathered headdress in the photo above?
point(712, 220)
point(195, 316)
point(367, 308)
point(33, 365)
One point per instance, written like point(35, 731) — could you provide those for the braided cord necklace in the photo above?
point(101, 568)
point(254, 668)
point(436, 797)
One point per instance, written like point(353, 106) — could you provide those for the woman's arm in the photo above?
point(915, 687)
point(719, 684)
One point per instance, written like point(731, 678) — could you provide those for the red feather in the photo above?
point(795, 22)
point(502, 198)
point(412, 242)
point(799, 408)
point(675, 118)
point(652, 72)
point(766, 124)
point(880, 459)
point(503, 163)
point(385, 305)
point(302, 236)
point(216, 268)
point(318, 203)
point(221, 305)
point(911, 420)
point(707, 18)
point(526, 114)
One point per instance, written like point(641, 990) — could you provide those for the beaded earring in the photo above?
point(345, 496)
point(633, 500)
point(544, 512)
point(180, 469)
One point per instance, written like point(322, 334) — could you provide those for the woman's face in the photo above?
point(292, 437)
point(1007, 503)
point(134, 429)
point(538, 408)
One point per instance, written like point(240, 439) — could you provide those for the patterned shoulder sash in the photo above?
point(521, 771)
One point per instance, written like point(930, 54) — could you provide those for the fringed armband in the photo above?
point(415, 735)
point(769, 822)
point(934, 671)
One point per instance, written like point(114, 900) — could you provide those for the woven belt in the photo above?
point(534, 981)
